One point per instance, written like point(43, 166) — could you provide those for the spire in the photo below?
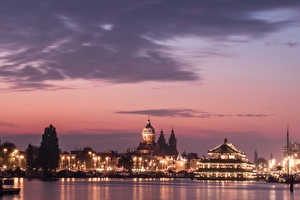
point(173, 143)
point(271, 156)
point(287, 140)
point(225, 141)
point(161, 140)
point(255, 157)
point(148, 123)
point(172, 131)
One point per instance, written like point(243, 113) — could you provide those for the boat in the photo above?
point(272, 178)
point(7, 187)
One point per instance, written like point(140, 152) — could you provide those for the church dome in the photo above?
point(148, 133)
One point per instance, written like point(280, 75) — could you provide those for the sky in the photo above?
point(97, 70)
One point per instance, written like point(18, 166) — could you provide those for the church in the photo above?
point(148, 146)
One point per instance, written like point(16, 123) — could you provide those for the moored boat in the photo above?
point(7, 187)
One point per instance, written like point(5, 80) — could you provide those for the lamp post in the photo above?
point(16, 158)
point(4, 151)
point(73, 162)
point(21, 161)
point(95, 162)
point(106, 158)
point(68, 158)
point(4, 157)
point(62, 164)
point(98, 161)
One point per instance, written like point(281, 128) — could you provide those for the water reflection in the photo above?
point(105, 188)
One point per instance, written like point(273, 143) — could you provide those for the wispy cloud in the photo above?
point(117, 42)
point(183, 112)
point(7, 124)
point(288, 44)
point(252, 115)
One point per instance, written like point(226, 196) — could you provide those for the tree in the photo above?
point(7, 154)
point(85, 156)
point(48, 156)
point(9, 146)
point(126, 162)
point(31, 157)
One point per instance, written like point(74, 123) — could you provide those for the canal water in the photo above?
point(144, 189)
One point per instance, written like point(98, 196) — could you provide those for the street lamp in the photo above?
point(62, 162)
point(21, 161)
point(73, 162)
point(16, 158)
point(4, 151)
point(95, 161)
point(98, 161)
point(106, 158)
point(68, 162)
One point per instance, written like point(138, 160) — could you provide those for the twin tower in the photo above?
point(149, 146)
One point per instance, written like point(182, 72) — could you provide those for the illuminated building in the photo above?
point(148, 146)
point(155, 156)
point(180, 163)
point(291, 154)
point(225, 163)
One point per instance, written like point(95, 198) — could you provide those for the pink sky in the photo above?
point(106, 73)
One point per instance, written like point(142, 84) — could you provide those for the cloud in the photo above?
point(288, 44)
point(163, 112)
point(252, 115)
point(117, 42)
point(183, 112)
point(7, 124)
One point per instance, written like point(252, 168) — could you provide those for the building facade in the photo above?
point(225, 163)
point(148, 146)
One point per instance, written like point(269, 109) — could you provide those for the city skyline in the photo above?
point(129, 142)
point(97, 69)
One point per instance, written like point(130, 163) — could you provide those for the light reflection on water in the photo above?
point(136, 189)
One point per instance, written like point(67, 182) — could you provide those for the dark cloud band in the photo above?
point(115, 42)
point(185, 113)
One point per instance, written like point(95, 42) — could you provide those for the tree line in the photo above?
point(47, 156)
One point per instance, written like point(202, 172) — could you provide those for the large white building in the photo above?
point(225, 163)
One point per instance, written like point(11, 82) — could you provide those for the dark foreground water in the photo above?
point(136, 189)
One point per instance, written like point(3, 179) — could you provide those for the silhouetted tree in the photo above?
point(9, 146)
point(86, 156)
point(31, 157)
point(7, 149)
point(48, 155)
point(126, 162)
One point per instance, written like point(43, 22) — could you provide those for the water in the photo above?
point(136, 189)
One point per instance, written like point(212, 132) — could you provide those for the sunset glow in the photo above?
point(210, 70)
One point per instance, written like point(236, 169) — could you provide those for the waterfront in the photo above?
point(164, 188)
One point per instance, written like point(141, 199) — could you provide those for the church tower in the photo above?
point(162, 142)
point(148, 134)
point(173, 144)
